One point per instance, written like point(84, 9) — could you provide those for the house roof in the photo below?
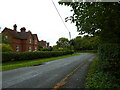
point(35, 36)
point(20, 35)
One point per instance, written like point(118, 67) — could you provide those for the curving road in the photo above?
point(71, 70)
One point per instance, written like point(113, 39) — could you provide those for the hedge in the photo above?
point(17, 56)
point(99, 79)
point(109, 58)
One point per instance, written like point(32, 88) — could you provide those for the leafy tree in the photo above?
point(63, 43)
point(85, 43)
point(5, 48)
point(95, 42)
point(96, 18)
point(4, 39)
point(55, 48)
point(4, 43)
point(76, 43)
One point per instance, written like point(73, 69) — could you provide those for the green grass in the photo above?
point(99, 79)
point(25, 63)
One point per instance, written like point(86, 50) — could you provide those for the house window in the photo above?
point(6, 36)
point(35, 48)
point(17, 48)
point(30, 49)
point(35, 41)
point(30, 40)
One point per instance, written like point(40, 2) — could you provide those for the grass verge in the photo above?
point(99, 79)
point(25, 63)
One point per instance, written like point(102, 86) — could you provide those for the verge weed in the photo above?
point(99, 79)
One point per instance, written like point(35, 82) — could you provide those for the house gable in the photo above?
point(24, 41)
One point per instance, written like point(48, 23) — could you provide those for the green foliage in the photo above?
point(17, 64)
point(55, 48)
point(17, 56)
point(63, 44)
point(46, 49)
point(109, 58)
point(99, 79)
point(85, 43)
point(5, 48)
point(96, 18)
point(5, 39)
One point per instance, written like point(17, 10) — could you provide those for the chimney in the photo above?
point(23, 29)
point(47, 44)
point(15, 27)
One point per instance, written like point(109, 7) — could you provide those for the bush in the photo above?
point(99, 79)
point(46, 49)
point(5, 48)
point(16, 56)
point(109, 58)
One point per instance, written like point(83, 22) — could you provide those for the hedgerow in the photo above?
point(109, 58)
point(17, 56)
point(104, 71)
point(96, 78)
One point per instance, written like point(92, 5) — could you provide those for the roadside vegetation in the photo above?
point(19, 56)
point(96, 78)
point(25, 63)
point(101, 22)
point(78, 44)
point(104, 71)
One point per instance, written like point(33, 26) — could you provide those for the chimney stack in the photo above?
point(15, 27)
point(23, 29)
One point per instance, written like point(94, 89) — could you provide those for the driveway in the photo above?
point(69, 71)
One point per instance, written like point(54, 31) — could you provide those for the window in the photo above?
point(17, 48)
point(6, 36)
point(35, 48)
point(35, 41)
point(30, 49)
point(30, 40)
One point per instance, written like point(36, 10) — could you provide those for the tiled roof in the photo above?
point(35, 36)
point(20, 35)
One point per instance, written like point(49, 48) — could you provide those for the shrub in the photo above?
point(5, 48)
point(99, 79)
point(16, 56)
point(109, 58)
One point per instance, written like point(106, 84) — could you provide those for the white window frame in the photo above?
point(6, 36)
point(35, 48)
point(30, 40)
point(35, 41)
point(17, 48)
point(30, 48)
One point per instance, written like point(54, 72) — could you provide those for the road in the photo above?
point(71, 71)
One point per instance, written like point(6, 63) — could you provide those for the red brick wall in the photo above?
point(42, 43)
point(35, 43)
point(23, 44)
point(16, 42)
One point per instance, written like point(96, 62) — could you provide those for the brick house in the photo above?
point(44, 44)
point(21, 41)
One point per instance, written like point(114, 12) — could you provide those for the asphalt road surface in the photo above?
point(63, 73)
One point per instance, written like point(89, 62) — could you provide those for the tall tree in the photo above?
point(85, 43)
point(63, 43)
point(96, 18)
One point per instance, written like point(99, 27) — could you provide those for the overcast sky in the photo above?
point(38, 16)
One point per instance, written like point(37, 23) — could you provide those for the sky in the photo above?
point(38, 16)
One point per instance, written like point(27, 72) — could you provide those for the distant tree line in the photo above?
point(77, 44)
